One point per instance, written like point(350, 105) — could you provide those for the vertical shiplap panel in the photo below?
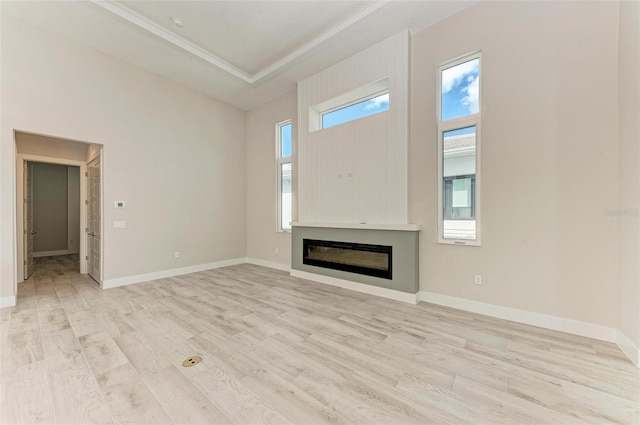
point(397, 133)
point(373, 149)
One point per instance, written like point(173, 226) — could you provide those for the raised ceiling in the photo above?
point(245, 53)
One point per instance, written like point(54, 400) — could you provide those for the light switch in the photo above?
point(119, 224)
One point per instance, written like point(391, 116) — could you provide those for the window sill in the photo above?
point(459, 242)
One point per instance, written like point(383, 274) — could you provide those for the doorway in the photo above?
point(48, 151)
point(51, 213)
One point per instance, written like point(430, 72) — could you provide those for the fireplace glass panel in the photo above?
point(372, 260)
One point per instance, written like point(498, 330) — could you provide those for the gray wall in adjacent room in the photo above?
point(55, 195)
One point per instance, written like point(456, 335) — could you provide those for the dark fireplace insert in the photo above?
point(371, 260)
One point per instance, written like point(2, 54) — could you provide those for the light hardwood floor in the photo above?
point(281, 350)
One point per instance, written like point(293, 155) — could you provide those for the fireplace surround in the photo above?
point(400, 241)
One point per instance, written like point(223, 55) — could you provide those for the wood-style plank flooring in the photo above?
point(281, 350)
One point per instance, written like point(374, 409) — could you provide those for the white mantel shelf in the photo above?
point(366, 226)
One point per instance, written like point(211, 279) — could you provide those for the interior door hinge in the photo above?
point(86, 257)
point(86, 202)
point(86, 174)
point(25, 262)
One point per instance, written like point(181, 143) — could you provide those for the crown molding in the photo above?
point(159, 31)
point(209, 57)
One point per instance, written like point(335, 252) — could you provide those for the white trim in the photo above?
point(575, 327)
point(53, 253)
point(130, 280)
point(628, 348)
point(359, 287)
point(269, 264)
point(7, 301)
point(367, 226)
point(192, 48)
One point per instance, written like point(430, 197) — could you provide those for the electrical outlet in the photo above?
point(478, 279)
point(176, 254)
point(277, 250)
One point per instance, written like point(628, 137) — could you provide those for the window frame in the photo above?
point(352, 103)
point(280, 161)
point(472, 120)
point(346, 99)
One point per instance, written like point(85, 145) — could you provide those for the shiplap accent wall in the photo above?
point(357, 171)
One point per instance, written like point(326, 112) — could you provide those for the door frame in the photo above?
point(20, 161)
point(98, 158)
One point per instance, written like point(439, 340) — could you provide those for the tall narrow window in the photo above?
point(283, 164)
point(459, 151)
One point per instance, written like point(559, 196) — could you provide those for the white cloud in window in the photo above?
point(377, 102)
point(453, 76)
point(472, 94)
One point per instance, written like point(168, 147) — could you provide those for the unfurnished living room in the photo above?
point(320, 212)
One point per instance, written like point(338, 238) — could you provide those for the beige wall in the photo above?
point(262, 237)
point(549, 158)
point(175, 156)
point(629, 221)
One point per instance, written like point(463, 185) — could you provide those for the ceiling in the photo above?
point(245, 53)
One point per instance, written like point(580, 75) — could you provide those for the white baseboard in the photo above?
point(7, 301)
point(53, 253)
point(270, 264)
point(570, 326)
point(130, 280)
point(359, 287)
point(628, 348)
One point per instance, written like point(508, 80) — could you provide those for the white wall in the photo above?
point(629, 174)
point(262, 237)
point(549, 158)
point(175, 156)
point(357, 171)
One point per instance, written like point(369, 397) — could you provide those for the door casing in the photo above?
point(20, 225)
point(94, 219)
point(27, 184)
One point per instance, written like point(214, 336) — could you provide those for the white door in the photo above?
point(28, 218)
point(93, 219)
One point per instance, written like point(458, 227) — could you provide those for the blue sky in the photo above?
point(358, 110)
point(285, 139)
point(460, 131)
point(461, 90)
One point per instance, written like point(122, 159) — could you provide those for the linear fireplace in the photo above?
point(388, 252)
point(366, 259)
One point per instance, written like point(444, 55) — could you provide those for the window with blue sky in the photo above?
point(285, 140)
point(458, 147)
point(460, 92)
point(284, 169)
point(358, 110)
